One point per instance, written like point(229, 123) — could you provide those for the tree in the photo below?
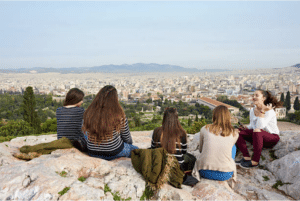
point(189, 122)
point(287, 101)
point(282, 97)
point(29, 113)
point(196, 119)
point(296, 104)
point(148, 101)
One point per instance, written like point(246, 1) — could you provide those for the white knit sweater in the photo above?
point(267, 123)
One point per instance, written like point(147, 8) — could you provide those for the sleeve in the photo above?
point(201, 138)
point(263, 122)
point(184, 145)
point(125, 133)
point(251, 113)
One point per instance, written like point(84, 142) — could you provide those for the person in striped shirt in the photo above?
point(106, 127)
point(70, 117)
point(171, 136)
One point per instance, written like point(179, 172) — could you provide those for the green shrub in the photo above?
point(266, 178)
point(196, 126)
point(64, 190)
point(16, 128)
point(82, 179)
point(278, 183)
point(7, 138)
point(62, 174)
point(50, 125)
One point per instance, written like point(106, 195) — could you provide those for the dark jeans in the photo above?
point(258, 139)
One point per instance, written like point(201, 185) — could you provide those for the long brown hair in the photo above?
point(104, 115)
point(271, 99)
point(221, 121)
point(171, 130)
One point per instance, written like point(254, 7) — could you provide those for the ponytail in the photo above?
point(271, 99)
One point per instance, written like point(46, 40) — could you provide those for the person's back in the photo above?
point(69, 122)
point(70, 118)
point(171, 136)
point(106, 127)
point(217, 147)
point(181, 147)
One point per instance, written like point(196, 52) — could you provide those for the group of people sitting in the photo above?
point(102, 131)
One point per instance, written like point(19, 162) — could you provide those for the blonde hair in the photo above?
point(221, 122)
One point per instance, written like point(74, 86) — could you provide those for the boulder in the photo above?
point(55, 176)
point(287, 172)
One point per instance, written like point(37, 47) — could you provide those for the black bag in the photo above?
point(189, 162)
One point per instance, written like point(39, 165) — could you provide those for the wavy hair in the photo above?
point(221, 122)
point(171, 130)
point(104, 115)
point(270, 99)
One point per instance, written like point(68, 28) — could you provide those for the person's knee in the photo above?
point(256, 130)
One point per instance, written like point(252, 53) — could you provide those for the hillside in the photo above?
point(277, 178)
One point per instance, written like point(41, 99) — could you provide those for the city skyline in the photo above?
point(202, 35)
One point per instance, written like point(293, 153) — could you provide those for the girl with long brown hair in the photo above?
point(262, 131)
point(217, 147)
point(171, 136)
point(108, 136)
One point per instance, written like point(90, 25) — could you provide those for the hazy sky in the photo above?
point(225, 35)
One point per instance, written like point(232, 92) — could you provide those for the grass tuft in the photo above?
point(82, 179)
point(64, 190)
point(62, 174)
point(262, 157)
point(147, 194)
point(272, 155)
point(278, 183)
point(266, 178)
point(116, 195)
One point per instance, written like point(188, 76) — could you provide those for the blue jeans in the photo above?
point(126, 152)
point(218, 175)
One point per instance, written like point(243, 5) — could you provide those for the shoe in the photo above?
point(241, 161)
point(247, 165)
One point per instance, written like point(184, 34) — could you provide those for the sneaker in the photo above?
point(241, 161)
point(247, 165)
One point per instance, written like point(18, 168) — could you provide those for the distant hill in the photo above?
point(296, 65)
point(124, 68)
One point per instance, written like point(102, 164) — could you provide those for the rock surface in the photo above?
point(44, 177)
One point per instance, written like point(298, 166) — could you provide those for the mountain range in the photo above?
point(124, 68)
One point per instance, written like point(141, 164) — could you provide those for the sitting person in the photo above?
point(171, 136)
point(69, 119)
point(217, 147)
point(262, 131)
point(106, 127)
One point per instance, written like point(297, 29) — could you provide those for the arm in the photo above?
point(250, 126)
point(125, 133)
point(184, 145)
point(201, 138)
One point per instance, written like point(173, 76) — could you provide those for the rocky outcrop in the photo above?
point(68, 174)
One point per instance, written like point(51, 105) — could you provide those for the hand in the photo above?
point(269, 107)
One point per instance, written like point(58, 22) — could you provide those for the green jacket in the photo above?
point(157, 167)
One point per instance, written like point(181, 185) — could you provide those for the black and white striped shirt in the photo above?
point(155, 143)
point(69, 122)
point(113, 146)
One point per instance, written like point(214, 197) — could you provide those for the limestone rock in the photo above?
point(287, 170)
point(289, 142)
point(50, 174)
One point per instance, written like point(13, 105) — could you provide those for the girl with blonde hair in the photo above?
point(217, 147)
